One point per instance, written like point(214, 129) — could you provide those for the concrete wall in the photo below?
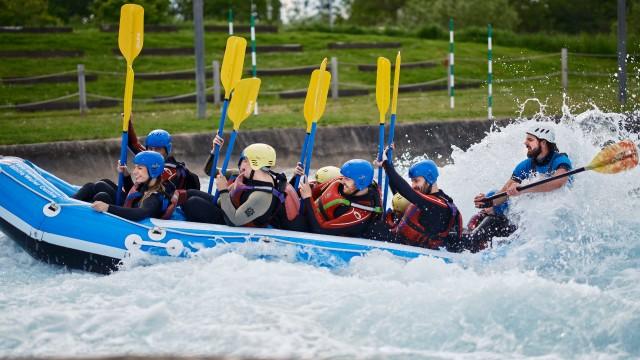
point(81, 161)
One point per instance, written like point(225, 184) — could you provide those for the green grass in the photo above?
point(276, 113)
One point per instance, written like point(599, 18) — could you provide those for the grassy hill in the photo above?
point(20, 127)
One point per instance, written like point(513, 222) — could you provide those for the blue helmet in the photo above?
point(499, 209)
point(159, 138)
point(360, 171)
point(153, 161)
point(425, 168)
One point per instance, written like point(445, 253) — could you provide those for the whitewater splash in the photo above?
point(566, 285)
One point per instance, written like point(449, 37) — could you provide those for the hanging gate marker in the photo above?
point(451, 72)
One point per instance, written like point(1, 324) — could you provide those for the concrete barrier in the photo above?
point(88, 160)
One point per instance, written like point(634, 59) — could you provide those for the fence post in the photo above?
point(334, 78)
point(565, 69)
point(82, 90)
point(490, 73)
point(201, 97)
point(216, 82)
point(451, 72)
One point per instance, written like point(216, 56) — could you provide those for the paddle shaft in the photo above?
point(128, 100)
point(537, 183)
point(307, 162)
point(303, 155)
point(225, 164)
point(216, 149)
point(392, 128)
point(380, 150)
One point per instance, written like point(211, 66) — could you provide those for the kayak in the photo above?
point(37, 212)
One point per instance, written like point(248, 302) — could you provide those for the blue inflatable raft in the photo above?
point(38, 214)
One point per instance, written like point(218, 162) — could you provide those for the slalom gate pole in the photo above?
point(489, 73)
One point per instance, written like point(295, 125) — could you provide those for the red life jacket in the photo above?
point(135, 195)
point(331, 199)
point(412, 229)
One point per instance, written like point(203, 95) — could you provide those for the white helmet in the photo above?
point(543, 131)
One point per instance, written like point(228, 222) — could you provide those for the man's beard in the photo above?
point(533, 153)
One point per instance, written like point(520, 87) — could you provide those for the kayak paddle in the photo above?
point(612, 159)
point(383, 80)
point(130, 39)
point(241, 106)
point(230, 74)
point(314, 105)
point(392, 124)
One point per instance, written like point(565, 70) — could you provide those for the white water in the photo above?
point(566, 286)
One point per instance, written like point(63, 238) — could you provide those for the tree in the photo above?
point(219, 9)
point(155, 11)
point(70, 10)
point(26, 13)
point(381, 12)
point(465, 13)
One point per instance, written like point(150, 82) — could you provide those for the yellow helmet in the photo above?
point(399, 203)
point(259, 155)
point(327, 173)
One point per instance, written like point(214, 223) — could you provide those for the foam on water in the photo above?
point(566, 285)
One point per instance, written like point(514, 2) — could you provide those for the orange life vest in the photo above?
point(412, 229)
point(331, 199)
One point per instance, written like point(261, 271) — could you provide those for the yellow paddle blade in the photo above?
point(323, 64)
point(245, 94)
point(232, 63)
point(615, 158)
point(130, 40)
point(396, 83)
point(131, 33)
point(383, 80)
point(316, 99)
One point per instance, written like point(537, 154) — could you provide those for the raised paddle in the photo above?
point(241, 106)
point(612, 159)
point(392, 124)
point(230, 74)
point(130, 39)
point(383, 80)
point(314, 105)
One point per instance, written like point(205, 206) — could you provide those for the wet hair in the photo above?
point(552, 146)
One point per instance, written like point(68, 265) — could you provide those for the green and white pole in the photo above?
point(230, 21)
point(254, 70)
point(489, 73)
point(451, 63)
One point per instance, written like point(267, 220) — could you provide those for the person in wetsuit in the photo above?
point(147, 195)
point(254, 198)
point(343, 206)
point(431, 220)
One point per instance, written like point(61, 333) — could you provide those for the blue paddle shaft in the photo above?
point(392, 128)
point(227, 157)
point(216, 149)
point(123, 161)
point(307, 163)
point(303, 154)
point(380, 149)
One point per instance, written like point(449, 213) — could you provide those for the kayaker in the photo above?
point(258, 196)
point(159, 140)
point(344, 206)
point(543, 159)
point(431, 220)
point(148, 196)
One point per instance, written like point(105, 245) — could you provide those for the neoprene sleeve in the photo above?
point(257, 204)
